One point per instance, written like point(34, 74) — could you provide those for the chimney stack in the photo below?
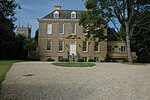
point(57, 7)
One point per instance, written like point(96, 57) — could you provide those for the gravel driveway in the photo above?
point(105, 81)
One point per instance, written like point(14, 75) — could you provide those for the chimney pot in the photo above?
point(57, 7)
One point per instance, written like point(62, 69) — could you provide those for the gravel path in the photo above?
point(105, 81)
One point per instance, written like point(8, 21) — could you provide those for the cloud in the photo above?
point(26, 7)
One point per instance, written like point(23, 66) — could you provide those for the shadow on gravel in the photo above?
point(29, 75)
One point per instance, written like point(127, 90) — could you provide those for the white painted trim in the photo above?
point(98, 47)
point(56, 12)
point(63, 29)
point(50, 44)
point(86, 59)
point(74, 30)
point(62, 47)
point(75, 47)
point(73, 12)
point(86, 47)
point(49, 26)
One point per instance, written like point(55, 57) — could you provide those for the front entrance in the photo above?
point(73, 48)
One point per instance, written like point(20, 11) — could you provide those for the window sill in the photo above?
point(73, 34)
point(48, 50)
point(60, 51)
point(49, 34)
point(61, 33)
point(85, 51)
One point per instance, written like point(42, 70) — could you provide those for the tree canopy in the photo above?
point(30, 44)
point(117, 13)
point(141, 38)
point(7, 13)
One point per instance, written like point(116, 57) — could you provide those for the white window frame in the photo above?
point(96, 59)
point(62, 46)
point(123, 49)
point(73, 14)
point(60, 57)
point(56, 13)
point(74, 52)
point(109, 48)
point(49, 28)
point(98, 46)
point(85, 59)
point(63, 28)
point(86, 46)
point(74, 29)
point(116, 49)
point(50, 45)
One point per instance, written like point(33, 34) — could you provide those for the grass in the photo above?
point(73, 64)
point(5, 65)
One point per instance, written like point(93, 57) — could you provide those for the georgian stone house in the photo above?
point(61, 36)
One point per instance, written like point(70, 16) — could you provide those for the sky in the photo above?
point(33, 9)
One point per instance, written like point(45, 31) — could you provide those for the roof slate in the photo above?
point(64, 14)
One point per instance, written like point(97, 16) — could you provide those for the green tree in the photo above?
point(7, 13)
point(141, 38)
point(18, 47)
point(121, 11)
point(92, 23)
point(30, 44)
point(36, 35)
point(111, 34)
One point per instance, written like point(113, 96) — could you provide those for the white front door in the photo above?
point(73, 48)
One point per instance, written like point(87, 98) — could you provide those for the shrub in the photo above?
point(144, 58)
point(107, 58)
point(50, 59)
point(34, 59)
point(91, 60)
point(114, 60)
point(102, 61)
point(80, 60)
point(64, 60)
point(125, 60)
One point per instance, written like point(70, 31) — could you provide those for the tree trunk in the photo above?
point(28, 54)
point(128, 47)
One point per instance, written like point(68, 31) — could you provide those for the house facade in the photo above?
point(61, 36)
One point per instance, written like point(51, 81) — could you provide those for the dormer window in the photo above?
point(73, 14)
point(56, 14)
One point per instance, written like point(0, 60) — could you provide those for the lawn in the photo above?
point(5, 65)
point(73, 64)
